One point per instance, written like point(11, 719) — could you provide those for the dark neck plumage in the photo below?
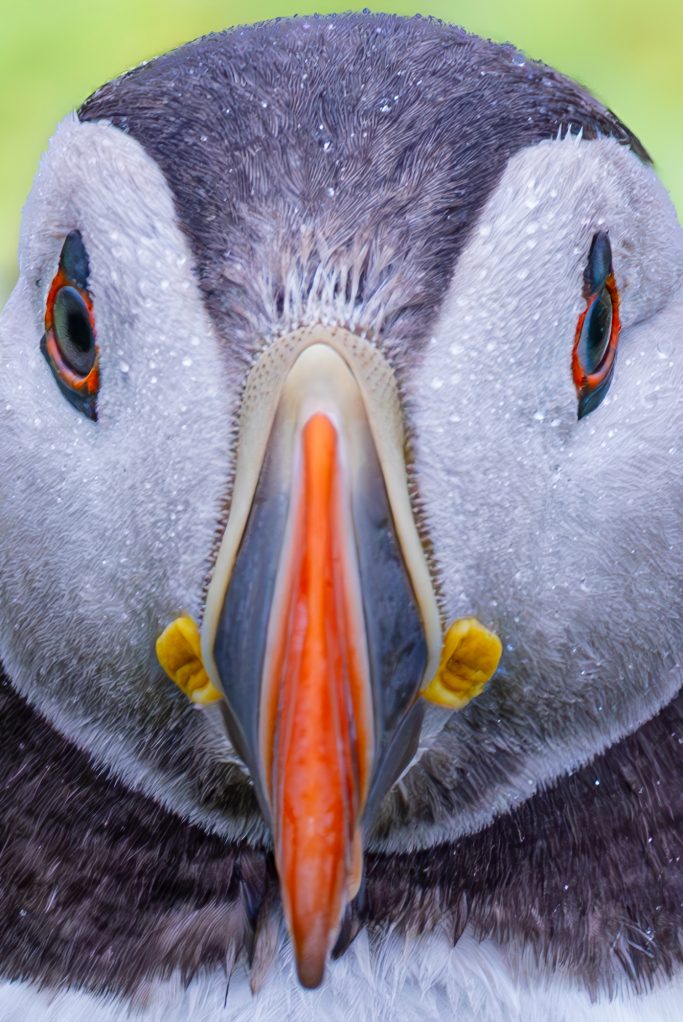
point(102, 888)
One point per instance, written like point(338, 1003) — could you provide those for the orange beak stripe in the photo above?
point(316, 729)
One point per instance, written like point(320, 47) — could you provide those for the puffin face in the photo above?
point(326, 374)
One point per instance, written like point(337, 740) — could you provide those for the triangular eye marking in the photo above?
point(74, 262)
point(69, 342)
point(597, 332)
point(599, 265)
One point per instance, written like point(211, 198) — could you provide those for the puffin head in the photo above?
point(340, 347)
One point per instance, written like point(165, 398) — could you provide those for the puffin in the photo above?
point(341, 544)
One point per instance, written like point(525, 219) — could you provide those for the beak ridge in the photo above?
point(316, 719)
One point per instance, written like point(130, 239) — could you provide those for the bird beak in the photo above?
point(320, 625)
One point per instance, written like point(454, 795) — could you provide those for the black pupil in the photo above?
point(73, 331)
point(596, 333)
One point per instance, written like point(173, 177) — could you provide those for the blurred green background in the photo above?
point(52, 55)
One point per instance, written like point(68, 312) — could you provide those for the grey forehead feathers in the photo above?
point(337, 162)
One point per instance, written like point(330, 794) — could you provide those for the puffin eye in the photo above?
point(69, 344)
point(597, 332)
point(73, 330)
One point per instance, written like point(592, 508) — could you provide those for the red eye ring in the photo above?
point(592, 380)
point(86, 386)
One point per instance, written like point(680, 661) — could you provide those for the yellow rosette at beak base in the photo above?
point(470, 657)
point(179, 653)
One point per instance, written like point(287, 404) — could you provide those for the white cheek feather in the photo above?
point(422, 980)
